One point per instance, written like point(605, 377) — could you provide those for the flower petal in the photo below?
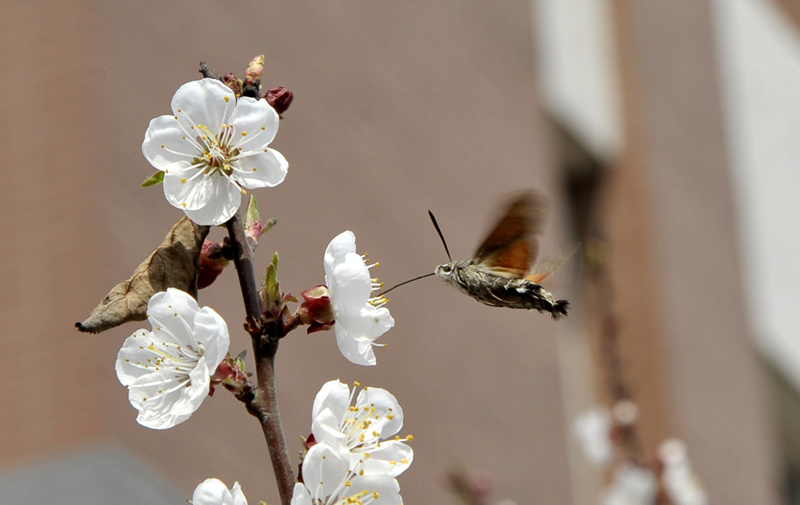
point(339, 247)
point(211, 331)
point(349, 284)
point(324, 468)
point(214, 492)
point(300, 496)
point(257, 120)
point(369, 322)
point(384, 489)
point(154, 396)
point(132, 358)
point(391, 458)
point(187, 190)
point(333, 395)
point(206, 102)
point(223, 204)
point(357, 350)
point(172, 314)
point(386, 406)
point(165, 143)
point(238, 496)
point(262, 169)
point(325, 427)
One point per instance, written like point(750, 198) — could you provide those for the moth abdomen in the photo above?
point(513, 293)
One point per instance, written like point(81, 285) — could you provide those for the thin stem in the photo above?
point(263, 402)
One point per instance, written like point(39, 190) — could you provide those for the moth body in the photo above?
point(499, 289)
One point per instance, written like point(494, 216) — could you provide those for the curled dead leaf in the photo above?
point(173, 264)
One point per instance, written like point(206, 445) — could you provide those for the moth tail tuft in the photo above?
point(559, 309)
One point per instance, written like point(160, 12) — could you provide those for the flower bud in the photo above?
point(232, 82)
point(254, 70)
point(279, 98)
point(316, 309)
point(231, 375)
point(212, 263)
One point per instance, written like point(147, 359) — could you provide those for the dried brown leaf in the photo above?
point(173, 264)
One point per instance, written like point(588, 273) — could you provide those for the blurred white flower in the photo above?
point(214, 492)
point(327, 480)
point(361, 430)
point(168, 370)
point(680, 483)
point(211, 147)
point(360, 318)
point(593, 430)
point(632, 485)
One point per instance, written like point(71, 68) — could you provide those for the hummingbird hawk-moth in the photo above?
point(498, 274)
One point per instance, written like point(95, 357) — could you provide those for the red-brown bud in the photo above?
point(212, 263)
point(316, 309)
point(232, 82)
point(279, 98)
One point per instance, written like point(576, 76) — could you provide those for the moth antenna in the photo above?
point(406, 282)
point(441, 236)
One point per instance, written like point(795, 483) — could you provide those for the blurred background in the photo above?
point(664, 133)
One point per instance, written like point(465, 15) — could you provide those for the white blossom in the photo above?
point(211, 148)
point(680, 483)
point(214, 492)
point(593, 430)
point(327, 480)
point(360, 318)
point(168, 370)
point(362, 431)
point(632, 485)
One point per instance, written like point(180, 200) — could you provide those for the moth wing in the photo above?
point(512, 261)
point(511, 245)
point(545, 269)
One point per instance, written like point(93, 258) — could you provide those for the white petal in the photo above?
point(223, 204)
point(385, 460)
point(196, 392)
point(263, 169)
point(333, 395)
point(133, 356)
point(358, 351)
point(172, 314)
point(324, 468)
point(385, 404)
point(350, 284)
point(186, 190)
point(238, 496)
point(369, 322)
point(339, 247)
point(386, 488)
point(155, 396)
point(300, 496)
point(211, 331)
point(206, 102)
point(165, 143)
point(325, 427)
point(254, 117)
point(213, 492)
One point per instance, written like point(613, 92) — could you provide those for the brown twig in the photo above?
point(617, 387)
point(263, 401)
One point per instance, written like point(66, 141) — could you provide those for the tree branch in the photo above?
point(263, 402)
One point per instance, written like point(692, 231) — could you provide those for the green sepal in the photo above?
point(252, 214)
point(156, 178)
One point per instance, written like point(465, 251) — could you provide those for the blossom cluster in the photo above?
point(352, 455)
point(597, 431)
